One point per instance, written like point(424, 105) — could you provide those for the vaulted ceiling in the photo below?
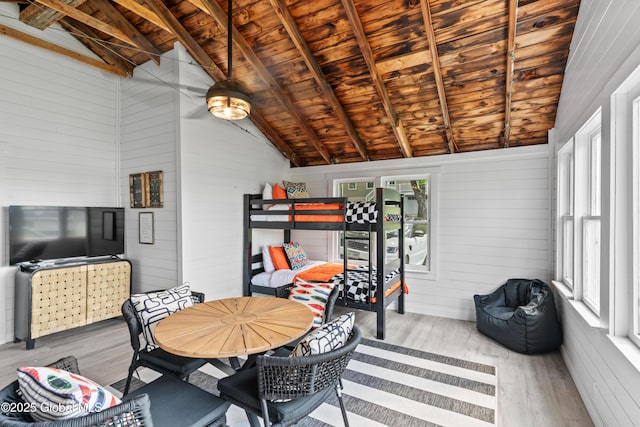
point(339, 81)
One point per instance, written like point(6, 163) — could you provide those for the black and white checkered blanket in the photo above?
point(365, 212)
point(357, 287)
point(361, 212)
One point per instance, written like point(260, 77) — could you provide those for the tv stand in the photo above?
point(51, 298)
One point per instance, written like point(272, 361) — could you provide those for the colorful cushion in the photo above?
point(267, 264)
point(279, 192)
point(296, 190)
point(152, 307)
point(296, 255)
point(314, 296)
point(278, 258)
point(54, 394)
point(328, 337)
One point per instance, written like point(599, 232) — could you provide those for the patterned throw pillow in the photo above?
point(296, 190)
point(152, 307)
point(55, 394)
point(328, 337)
point(314, 296)
point(296, 255)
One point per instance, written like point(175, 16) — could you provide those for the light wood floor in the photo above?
point(533, 391)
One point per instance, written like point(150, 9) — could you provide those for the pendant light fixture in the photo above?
point(225, 99)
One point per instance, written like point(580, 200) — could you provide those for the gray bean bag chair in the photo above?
point(521, 315)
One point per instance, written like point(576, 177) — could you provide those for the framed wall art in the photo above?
point(145, 228)
point(138, 190)
point(155, 198)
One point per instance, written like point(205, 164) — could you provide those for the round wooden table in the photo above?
point(233, 327)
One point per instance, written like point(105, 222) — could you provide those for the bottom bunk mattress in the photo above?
point(357, 288)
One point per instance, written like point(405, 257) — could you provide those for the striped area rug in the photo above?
point(389, 385)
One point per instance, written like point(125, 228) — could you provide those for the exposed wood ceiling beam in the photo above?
point(213, 8)
point(437, 74)
point(78, 29)
point(183, 36)
point(143, 12)
point(266, 129)
point(365, 48)
point(41, 17)
point(126, 27)
point(296, 36)
point(202, 58)
point(511, 59)
point(34, 41)
point(87, 19)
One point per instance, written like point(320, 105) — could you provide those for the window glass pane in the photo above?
point(591, 264)
point(594, 178)
point(417, 220)
point(636, 219)
point(567, 251)
point(357, 241)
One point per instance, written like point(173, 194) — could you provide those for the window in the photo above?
point(565, 207)
point(591, 223)
point(419, 238)
point(579, 209)
point(417, 224)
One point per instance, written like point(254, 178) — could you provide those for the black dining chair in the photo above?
point(167, 401)
point(328, 315)
point(156, 359)
point(284, 390)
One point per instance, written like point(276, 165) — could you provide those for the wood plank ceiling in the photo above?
point(338, 81)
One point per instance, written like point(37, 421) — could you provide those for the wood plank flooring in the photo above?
point(533, 391)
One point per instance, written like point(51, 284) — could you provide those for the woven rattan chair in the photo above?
point(156, 359)
point(284, 390)
point(169, 400)
point(132, 413)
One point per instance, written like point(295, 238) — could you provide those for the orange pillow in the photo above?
point(278, 257)
point(279, 192)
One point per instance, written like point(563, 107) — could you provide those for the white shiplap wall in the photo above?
point(493, 222)
point(58, 139)
point(149, 142)
point(604, 51)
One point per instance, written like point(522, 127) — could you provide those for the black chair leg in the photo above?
point(132, 369)
point(342, 408)
point(128, 384)
point(265, 414)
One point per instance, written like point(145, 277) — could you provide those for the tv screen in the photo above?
point(51, 232)
point(106, 231)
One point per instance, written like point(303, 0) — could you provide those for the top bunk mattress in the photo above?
point(355, 213)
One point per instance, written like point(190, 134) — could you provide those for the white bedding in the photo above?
point(284, 218)
point(280, 277)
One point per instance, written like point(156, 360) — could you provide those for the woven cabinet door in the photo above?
point(108, 286)
point(58, 300)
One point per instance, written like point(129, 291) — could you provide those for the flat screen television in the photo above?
point(38, 233)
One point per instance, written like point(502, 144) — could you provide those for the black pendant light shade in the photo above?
point(225, 99)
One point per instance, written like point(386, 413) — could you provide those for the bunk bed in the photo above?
point(370, 287)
